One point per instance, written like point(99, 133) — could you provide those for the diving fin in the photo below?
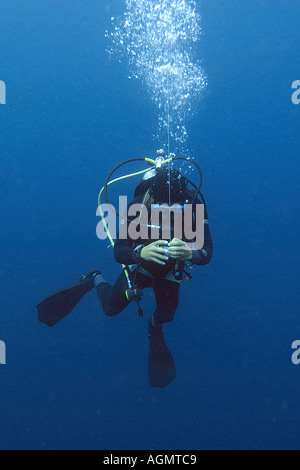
point(59, 304)
point(161, 366)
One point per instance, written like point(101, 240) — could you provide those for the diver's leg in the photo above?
point(161, 366)
point(167, 300)
point(112, 298)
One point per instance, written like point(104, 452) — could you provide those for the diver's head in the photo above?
point(169, 183)
point(160, 153)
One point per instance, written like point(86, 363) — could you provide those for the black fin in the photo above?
point(161, 366)
point(59, 304)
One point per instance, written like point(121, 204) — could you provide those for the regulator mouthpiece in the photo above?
point(158, 162)
point(160, 158)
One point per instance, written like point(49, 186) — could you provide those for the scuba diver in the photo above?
point(160, 264)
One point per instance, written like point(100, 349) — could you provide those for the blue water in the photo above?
point(71, 115)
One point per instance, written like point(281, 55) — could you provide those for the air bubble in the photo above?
point(159, 39)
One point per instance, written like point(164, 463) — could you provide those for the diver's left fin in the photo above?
point(59, 304)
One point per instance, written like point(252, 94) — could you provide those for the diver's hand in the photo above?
point(155, 252)
point(179, 250)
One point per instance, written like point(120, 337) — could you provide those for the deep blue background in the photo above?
point(72, 115)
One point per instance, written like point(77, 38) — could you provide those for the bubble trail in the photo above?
point(159, 39)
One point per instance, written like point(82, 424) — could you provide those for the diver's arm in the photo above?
point(123, 248)
point(154, 252)
point(204, 256)
point(124, 253)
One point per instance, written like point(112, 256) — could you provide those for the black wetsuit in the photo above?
point(113, 298)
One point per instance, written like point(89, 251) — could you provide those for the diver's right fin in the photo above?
point(161, 366)
point(59, 304)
